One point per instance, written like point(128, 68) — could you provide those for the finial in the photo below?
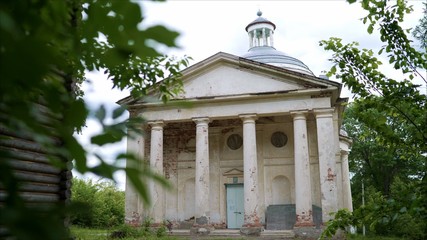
point(259, 13)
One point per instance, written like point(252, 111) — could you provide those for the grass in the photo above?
point(81, 233)
point(89, 233)
point(361, 237)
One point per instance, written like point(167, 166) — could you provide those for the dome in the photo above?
point(260, 32)
point(270, 55)
point(260, 20)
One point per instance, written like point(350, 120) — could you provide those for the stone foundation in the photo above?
point(251, 231)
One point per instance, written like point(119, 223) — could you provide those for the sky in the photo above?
point(209, 27)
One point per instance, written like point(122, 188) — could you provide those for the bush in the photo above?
point(99, 204)
point(145, 231)
point(401, 214)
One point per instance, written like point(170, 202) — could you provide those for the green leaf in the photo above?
point(76, 113)
point(101, 113)
point(370, 29)
point(162, 35)
point(333, 70)
point(104, 138)
point(118, 112)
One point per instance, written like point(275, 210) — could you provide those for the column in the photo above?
point(250, 172)
point(326, 147)
point(202, 172)
point(303, 201)
point(156, 164)
point(345, 144)
point(135, 145)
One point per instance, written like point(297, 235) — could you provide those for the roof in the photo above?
point(270, 55)
point(260, 20)
point(244, 63)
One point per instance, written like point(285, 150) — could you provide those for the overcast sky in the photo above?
point(209, 27)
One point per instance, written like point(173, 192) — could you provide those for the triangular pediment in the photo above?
point(233, 172)
point(227, 75)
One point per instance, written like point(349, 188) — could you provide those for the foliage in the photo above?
point(120, 232)
point(420, 31)
point(145, 231)
point(387, 122)
point(103, 204)
point(375, 158)
point(393, 172)
point(80, 233)
point(45, 47)
point(397, 215)
point(373, 237)
point(342, 220)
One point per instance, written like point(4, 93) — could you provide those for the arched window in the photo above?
point(281, 190)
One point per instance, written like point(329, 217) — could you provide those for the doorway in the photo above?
point(235, 206)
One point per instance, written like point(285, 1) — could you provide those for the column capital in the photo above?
point(323, 112)
point(201, 120)
point(299, 114)
point(248, 117)
point(157, 125)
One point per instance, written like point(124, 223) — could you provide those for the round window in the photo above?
point(234, 141)
point(279, 139)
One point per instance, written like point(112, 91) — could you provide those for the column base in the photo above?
point(304, 224)
point(251, 231)
point(307, 232)
point(201, 226)
point(201, 229)
point(305, 220)
point(203, 220)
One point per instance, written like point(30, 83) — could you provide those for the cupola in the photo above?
point(261, 48)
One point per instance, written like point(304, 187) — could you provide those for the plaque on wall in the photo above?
point(234, 141)
point(280, 217)
point(279, 139)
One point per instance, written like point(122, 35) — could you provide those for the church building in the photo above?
point(259, 149)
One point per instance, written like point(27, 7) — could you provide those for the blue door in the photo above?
point(235, 208)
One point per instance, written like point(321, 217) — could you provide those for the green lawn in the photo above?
point(97, 234)
point(88, 233)
point(361, 237)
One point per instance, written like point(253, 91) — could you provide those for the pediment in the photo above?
point(226, 80)
point(234, 172)
point(227, 75)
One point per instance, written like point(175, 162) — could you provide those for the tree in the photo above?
point(374, 157)
point(45, 47)
point(420, 31)
point(391, 174)
point(389, 112)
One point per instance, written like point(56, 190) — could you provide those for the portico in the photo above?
point(267, 106)
point(255, 132)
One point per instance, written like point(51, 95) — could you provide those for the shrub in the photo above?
point(100, 204)
point(401, 214)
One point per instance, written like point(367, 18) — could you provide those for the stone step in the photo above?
point(278, 233)
point(236, 233)
point(180, 232)
point(225, 232)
